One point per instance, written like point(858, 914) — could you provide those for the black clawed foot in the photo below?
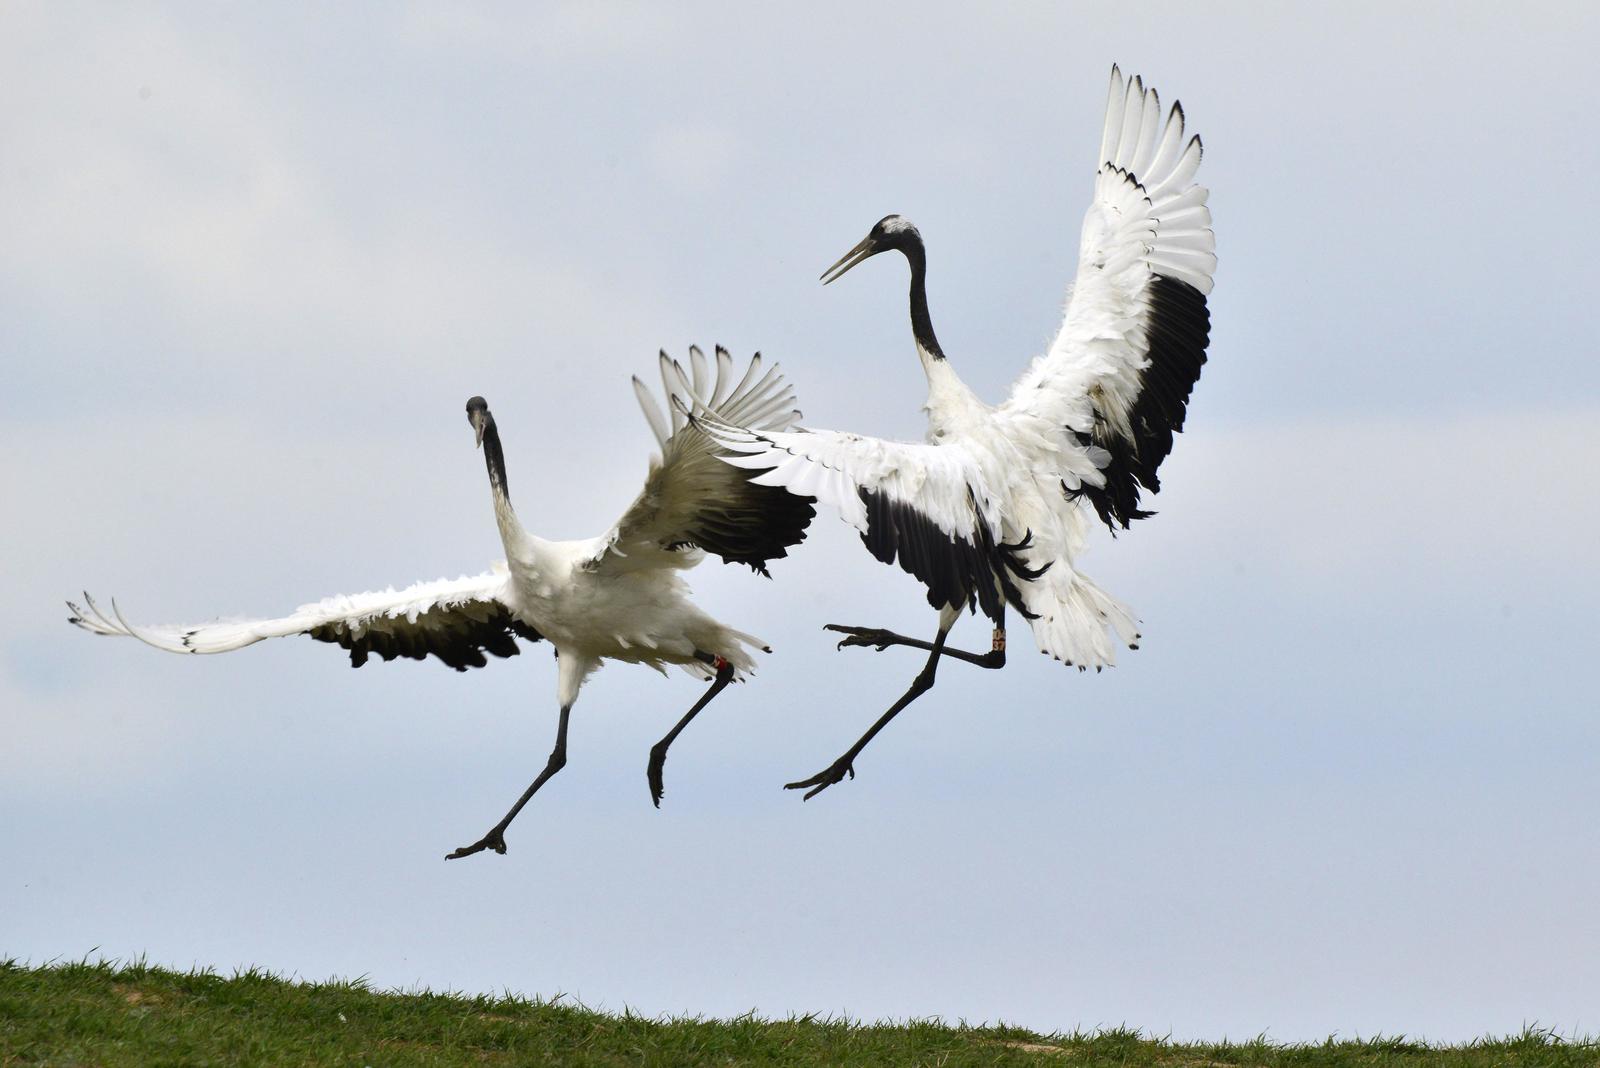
point(658, 757)
point(875, 637)
point(819, 782)
point(494, 840)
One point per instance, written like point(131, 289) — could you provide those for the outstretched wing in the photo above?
point(691, 499)
point(1117, 378)
point(457, 620)
point(928, 506)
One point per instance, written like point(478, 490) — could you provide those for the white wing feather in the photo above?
point(445, 610)
point(931, 508)
point(835, 467)
point(1118, 374)
point(690, 498)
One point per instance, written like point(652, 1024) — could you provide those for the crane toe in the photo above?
point(864, 637)
point(494, 840)
point(658, 758)
point(834, 773)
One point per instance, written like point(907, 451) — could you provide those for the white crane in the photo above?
point(988, 511)
point(615, 597)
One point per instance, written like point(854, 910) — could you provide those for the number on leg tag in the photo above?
point(998, 642)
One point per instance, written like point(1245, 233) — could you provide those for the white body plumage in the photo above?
point(990, 509)
point(637, 612)
point(619, 596)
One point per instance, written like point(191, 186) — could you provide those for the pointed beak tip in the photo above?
point(864, 250)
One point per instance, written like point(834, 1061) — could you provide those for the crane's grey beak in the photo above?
point(865, 250)
point(478, 416)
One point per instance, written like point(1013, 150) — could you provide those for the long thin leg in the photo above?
point(879, 639)
point(495, 839)
point(836, 771)
point(658, 752)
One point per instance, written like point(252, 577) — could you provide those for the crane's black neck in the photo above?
point(921, 321)
point(494, 458)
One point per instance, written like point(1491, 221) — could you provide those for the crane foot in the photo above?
point(658, 759)
point(865, 637)
point(494, 840)
point(819, 782)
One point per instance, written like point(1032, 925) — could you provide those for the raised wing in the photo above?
point(928, 506)
point(1117, 378)
point(691, 499)
point(456, 620)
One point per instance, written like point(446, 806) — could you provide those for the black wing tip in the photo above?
point(766, 523)
point(957, 572)
point(458, 643)
point(1178, 326)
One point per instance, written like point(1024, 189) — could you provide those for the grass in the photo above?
point(132, 1014)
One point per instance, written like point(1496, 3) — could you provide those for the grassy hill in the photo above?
point(107, 1014)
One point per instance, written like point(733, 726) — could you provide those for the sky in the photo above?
point(254, 262)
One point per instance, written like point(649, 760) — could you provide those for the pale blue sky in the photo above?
point(254, 263)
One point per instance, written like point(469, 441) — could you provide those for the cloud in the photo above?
point(566, 33)
point(184, 199)
point(1349, 501)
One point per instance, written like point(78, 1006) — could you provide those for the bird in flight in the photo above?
point(989, 512)
point(619, 596)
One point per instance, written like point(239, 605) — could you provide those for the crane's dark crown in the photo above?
point(894, 231)
point(477, 404)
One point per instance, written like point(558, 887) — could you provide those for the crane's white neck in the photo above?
point(950, 401)
point(512, 534)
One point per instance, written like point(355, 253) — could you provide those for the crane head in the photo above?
point(889, 233)
point(478, 416)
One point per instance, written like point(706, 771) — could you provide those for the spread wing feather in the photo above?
point(1116, 380)
point(691, 499)
point(927, 506)
point(455, 620)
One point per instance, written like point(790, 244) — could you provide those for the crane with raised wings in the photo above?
point(620, 596)
point(988, 513)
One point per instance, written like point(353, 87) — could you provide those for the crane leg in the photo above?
point(880, 640)
point(836, 771)
point(658, 752)
point(495, 839)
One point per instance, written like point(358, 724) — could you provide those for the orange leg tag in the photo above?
point(998, 642)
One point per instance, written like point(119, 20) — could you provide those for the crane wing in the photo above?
point(1117, 377)
point(929, 506)
point(691, 500)
point(457, 620)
